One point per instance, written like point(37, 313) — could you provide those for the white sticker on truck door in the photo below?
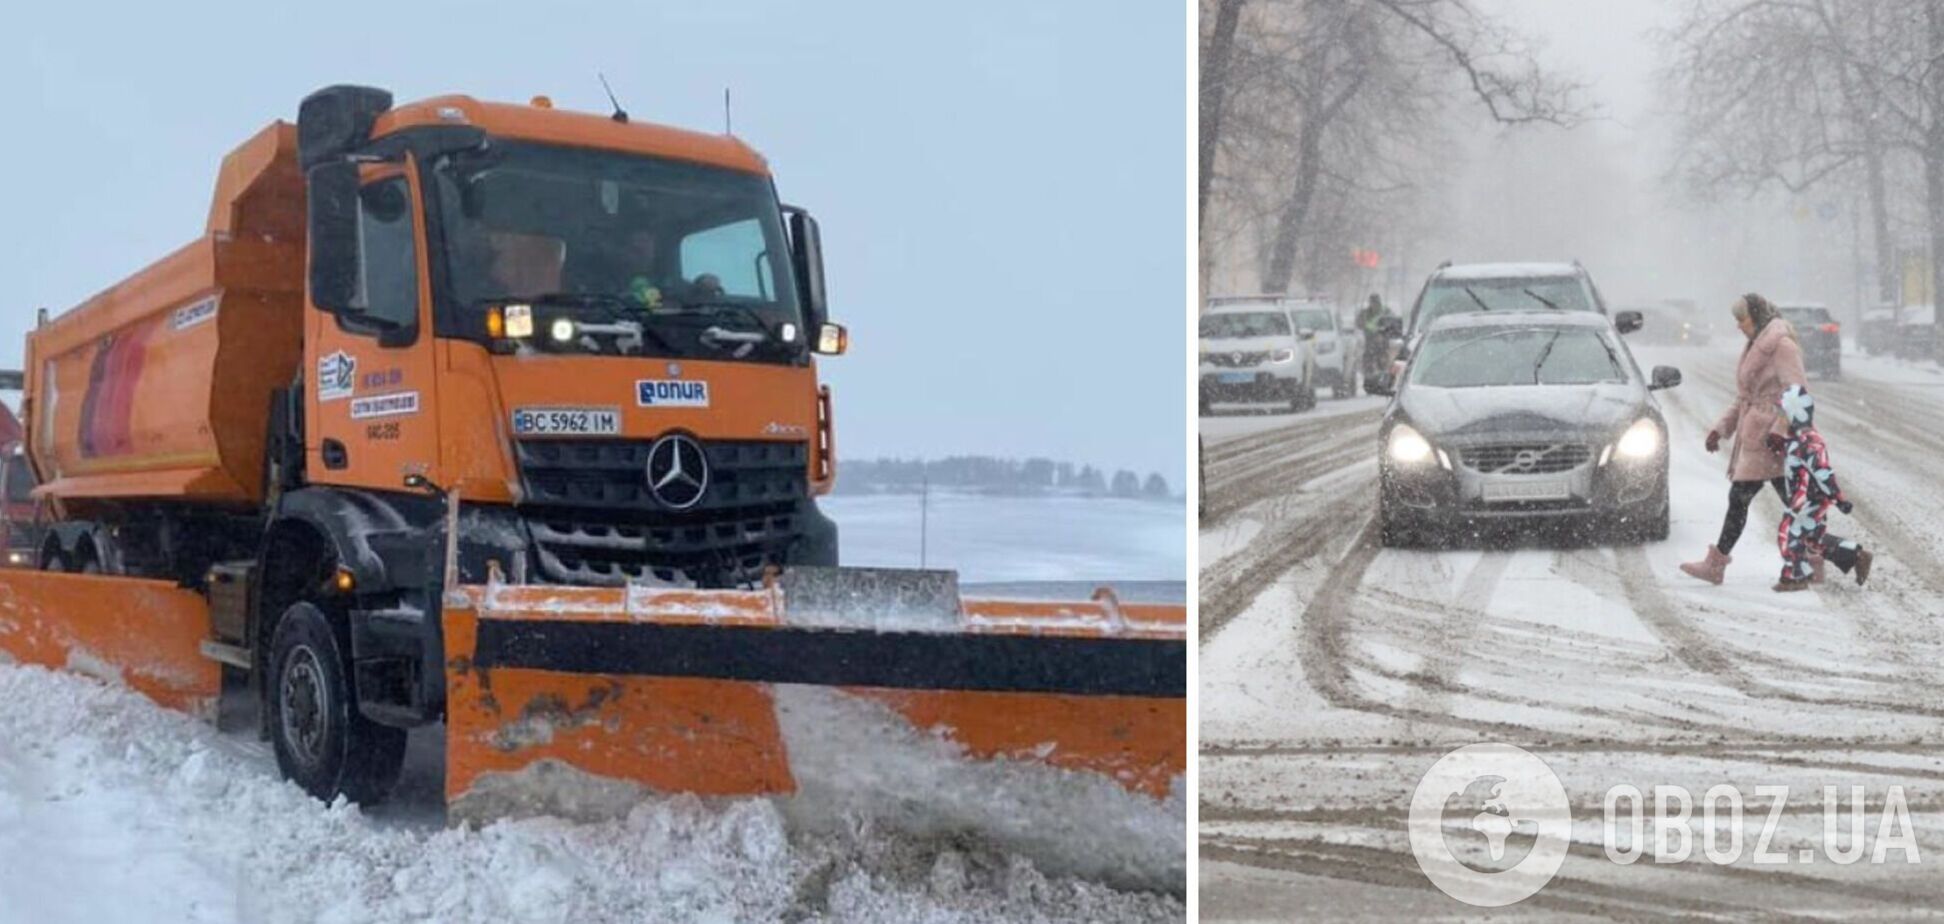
point(396, 403)
point(192, 315)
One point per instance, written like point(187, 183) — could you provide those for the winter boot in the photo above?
point(1862, 569)
point(1709, 568)
point(1815, 569)
point(1787, 586)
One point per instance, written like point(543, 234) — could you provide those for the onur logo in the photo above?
point(1490, 824)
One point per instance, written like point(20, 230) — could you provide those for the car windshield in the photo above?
point(1456, 296)
point(1245, 324)
point(679, 248)
point(1319, 319)
point(1474, 357)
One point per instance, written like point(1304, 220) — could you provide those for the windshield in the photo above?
point(604, 238)
point(1455, 296)
point(1473, 357)
point(1245, 324)
point(1314, 319)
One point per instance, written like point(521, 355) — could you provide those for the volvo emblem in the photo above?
point(1526, 460)
point(678, 471)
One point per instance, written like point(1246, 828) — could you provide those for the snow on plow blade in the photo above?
point(144, 634)
point(576, 700)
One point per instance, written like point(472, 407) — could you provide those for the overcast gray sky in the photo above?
point(1000, 184)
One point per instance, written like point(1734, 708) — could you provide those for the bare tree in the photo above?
point(1317, 116)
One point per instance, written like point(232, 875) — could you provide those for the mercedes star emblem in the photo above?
point(678, 471)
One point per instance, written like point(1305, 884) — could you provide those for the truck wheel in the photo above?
point(52, 561)
point(323, 743)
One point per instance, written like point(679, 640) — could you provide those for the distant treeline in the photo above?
point(988, 475)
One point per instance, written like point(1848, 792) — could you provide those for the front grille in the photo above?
point(1526, 458)
point(594, 521)
point(1236, 360)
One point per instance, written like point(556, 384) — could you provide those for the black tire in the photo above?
point(52, 561)
point(1655, 528)
point(323, 743)
point(1396, 530)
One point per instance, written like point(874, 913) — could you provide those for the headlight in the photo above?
point(1326, 346)
point(1640, 440)
point(1282, 356)
point(519, 321)
point(562, 330)
point(1408, 446)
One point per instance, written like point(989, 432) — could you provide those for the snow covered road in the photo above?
point(1334, 671)
point(113, 809)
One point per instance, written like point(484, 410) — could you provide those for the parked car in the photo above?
point(1821, 338)
point(1523, 415)
point(1917, 333)
point(1251, 353)
point(1505, 287)
point(1696, 328)
point(1335, 340)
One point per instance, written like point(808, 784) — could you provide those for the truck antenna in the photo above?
point(727, 127)
point(620, 114)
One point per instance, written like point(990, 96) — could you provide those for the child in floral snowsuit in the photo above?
point(1811, 487)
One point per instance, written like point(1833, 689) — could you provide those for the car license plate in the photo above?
point(1235, 378)
point(567, 421)
point(1548, 489)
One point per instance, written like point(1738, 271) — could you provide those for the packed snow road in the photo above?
point(1334, 671)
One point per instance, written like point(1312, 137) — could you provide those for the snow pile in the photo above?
point(114, 809)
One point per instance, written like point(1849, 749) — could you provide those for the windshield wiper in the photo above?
point(1545, 352)
point(1542, 299)
point(1474, 297)
point(717, 335)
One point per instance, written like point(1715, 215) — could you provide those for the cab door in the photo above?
point(370, 391)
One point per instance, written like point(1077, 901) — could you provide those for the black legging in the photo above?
point(1740, 495)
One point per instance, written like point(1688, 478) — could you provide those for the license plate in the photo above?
point(1235, 378)
point(567, 421)
point(1550, 489)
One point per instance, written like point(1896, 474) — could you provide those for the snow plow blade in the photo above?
point(139, 633)
point(576, 701)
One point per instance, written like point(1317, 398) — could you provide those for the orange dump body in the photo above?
point(122, 396)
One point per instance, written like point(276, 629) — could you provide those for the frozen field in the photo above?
point(114, 809)
point(1334, 671)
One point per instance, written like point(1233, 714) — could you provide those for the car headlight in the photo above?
point(1640, 440)
point(1282, 356)
point(1408, 446)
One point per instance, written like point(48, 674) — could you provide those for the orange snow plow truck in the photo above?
point(508, 418)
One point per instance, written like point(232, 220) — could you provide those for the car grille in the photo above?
point(1238, 359)
point(594, 521)
point(1526, 458)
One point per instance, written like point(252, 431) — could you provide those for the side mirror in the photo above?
point(333, 231)
point(806, 251)
point(1306, 335)
point(1664, 377)
point(1627, 322)
point(1380, 385)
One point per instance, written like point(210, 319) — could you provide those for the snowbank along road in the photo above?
point(1334, 671)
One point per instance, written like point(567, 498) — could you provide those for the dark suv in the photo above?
point(1821, 338)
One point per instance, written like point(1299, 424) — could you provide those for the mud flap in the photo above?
point(141, 633)
point(575, 701)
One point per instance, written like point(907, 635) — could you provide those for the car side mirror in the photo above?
point(1306, 335)
point(1664, 377)
point(1627, 322)
point(806, 251)
point(333, 231)
point(1380, 385)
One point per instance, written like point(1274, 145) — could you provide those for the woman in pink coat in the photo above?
point(1771, 362)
